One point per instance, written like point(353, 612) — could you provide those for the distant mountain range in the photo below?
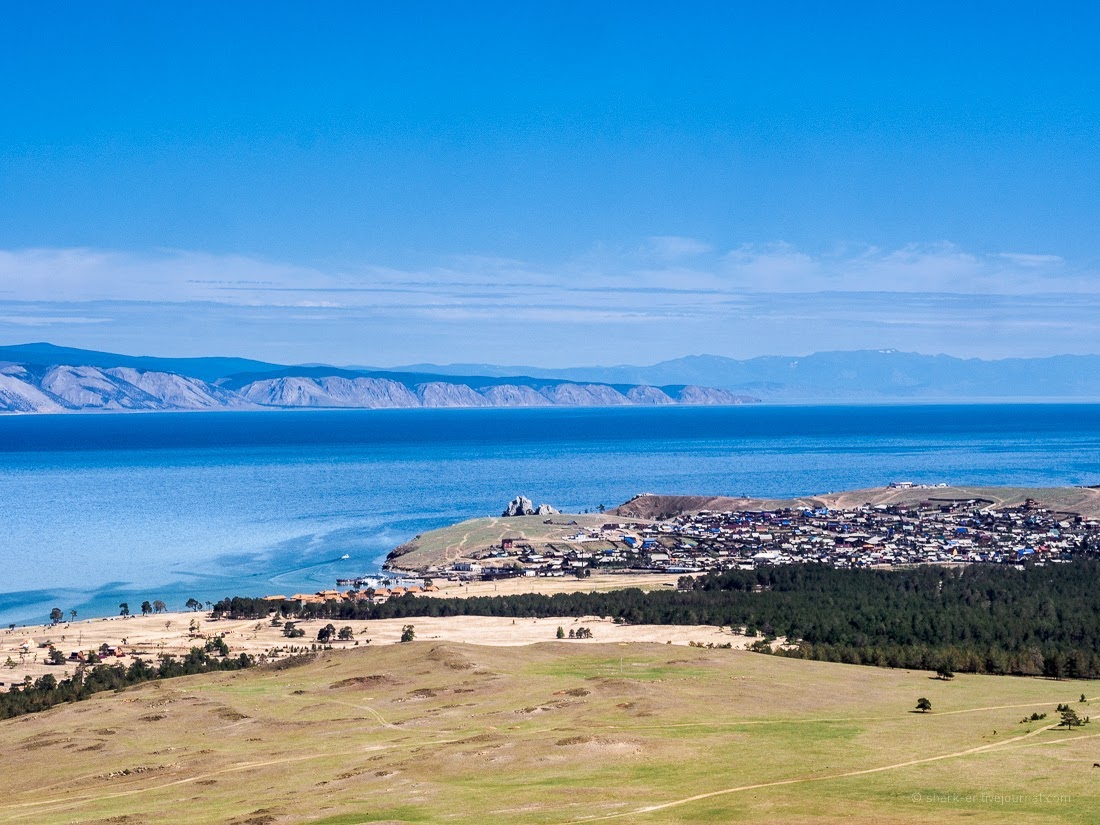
point(42, 378)
point(864, 375)
point(45, 378)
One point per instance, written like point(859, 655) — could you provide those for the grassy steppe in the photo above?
point(554, 733)
point(460, 540)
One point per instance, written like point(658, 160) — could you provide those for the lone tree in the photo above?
point(408, 633)
point(561, 632)
point(72, 615)
point(194, 604)
point(326, 633)
point(56, 615)
point(124, 609)
point(159, 606)
point(944, 672)
point(1070, 719)
point(146, 607)
point(923, 705)
point(345, 633)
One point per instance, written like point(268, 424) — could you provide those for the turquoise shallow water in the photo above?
point(99, 509)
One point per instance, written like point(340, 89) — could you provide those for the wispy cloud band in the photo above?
point(665, 296)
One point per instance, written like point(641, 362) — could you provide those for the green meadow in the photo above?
point(552, 733)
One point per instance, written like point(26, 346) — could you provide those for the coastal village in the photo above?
point(929, 531)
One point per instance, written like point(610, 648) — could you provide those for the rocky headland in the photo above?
point(56, 388)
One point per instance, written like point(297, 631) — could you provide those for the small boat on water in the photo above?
point(345, 557)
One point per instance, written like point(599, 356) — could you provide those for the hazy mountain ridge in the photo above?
point(204, 369)
point(52, 388)
point(848, 376)
point(44, 378)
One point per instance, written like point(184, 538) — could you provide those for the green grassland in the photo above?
point(553, 733)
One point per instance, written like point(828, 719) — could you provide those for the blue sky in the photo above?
point(549, 183)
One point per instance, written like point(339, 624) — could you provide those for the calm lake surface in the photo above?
point(99, 509)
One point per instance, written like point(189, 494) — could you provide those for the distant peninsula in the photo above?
point(44, 378)
point(41, 378)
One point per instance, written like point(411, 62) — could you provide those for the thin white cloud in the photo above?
point(1029, 260)
point(778, 267)
point(915, 268)
point(49, 320)
point(675, 247)
point(175, 276)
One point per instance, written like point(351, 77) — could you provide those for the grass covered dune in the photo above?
point(557, 733)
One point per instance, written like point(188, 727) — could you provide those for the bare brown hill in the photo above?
point(1083, 501)
point(658, 507)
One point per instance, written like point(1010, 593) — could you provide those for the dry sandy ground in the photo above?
point(170, 633)
point(549, 586)
point(150, 636)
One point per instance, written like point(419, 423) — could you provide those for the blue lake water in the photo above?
point(100, 509)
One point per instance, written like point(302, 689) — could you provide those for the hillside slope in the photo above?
point(554, 733)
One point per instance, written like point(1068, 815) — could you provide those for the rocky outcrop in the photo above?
point(179, 392)
point(442, 394)
point(584, 395)
point(692, 394)
point(332, 391)
point(84, 388)
point(288, 392)
point(519, 506)
point(510, 395)
point(648, 395)
point(522, 506)
point(17, 395)
point(369, 393)
point(64, 387)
